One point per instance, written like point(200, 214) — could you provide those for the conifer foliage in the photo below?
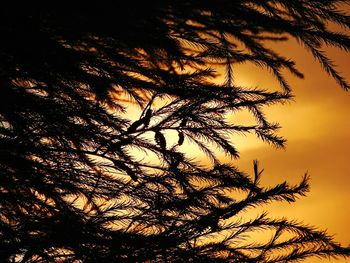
point(82, 181)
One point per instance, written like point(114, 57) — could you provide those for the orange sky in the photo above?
point(317, 127)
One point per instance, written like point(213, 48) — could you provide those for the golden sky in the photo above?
point(317, 127)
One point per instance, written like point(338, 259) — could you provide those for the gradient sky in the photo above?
point(317, 127)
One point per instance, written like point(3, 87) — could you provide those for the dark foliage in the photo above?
point(73, 187)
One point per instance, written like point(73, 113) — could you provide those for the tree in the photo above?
point(73, 189)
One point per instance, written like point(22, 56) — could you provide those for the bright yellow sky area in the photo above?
point(317, 126)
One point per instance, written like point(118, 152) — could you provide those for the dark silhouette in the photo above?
point(73, 189)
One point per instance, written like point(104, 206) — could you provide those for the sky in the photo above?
point(316, 125)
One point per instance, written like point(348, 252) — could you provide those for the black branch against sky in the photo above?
point(73, 187)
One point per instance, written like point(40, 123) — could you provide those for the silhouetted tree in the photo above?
point(82, 181)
